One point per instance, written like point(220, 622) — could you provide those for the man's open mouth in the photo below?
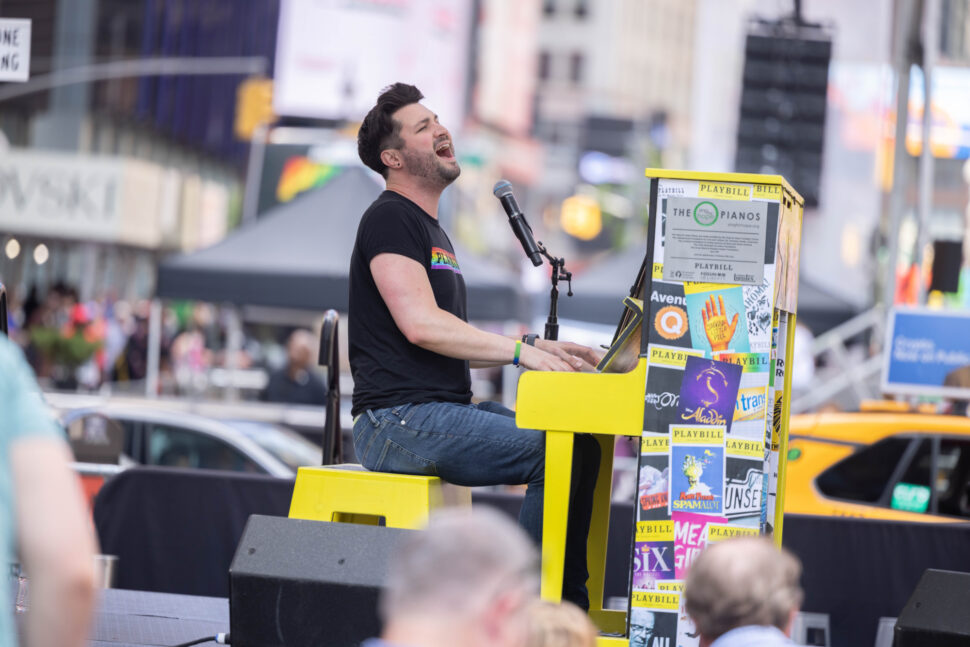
point(444, 150)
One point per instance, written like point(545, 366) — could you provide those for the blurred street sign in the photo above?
point(14, 49)
point(928, 353)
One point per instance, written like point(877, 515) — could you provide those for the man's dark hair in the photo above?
point(378, 131)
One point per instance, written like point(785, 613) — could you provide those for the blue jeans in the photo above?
point(479, 444)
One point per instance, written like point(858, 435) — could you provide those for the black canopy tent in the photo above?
point(298, 255)
point(599, 291)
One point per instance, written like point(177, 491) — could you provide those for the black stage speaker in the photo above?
point(294, 582)
point(947, 261)
point(781, 122)
point(937, 614)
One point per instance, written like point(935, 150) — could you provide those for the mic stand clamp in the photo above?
point(559, 272)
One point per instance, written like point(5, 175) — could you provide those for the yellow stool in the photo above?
point(352, 494)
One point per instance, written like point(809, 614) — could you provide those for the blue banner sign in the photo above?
point(928, 353)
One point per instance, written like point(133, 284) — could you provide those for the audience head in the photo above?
point(559, 625)
point(742, 582)
point(299, 349)
point(471, 575)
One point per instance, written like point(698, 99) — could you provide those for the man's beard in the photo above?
point(429, 168)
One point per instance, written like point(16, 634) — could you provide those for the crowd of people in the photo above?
point(103, 344)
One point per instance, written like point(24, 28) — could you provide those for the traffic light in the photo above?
point(254, 106)
point(781, 127)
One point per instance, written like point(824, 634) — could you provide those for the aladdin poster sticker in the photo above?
point(716, 318)
point(653, 619)
point(653, 493)
point(697, 469)
point(653, 556)
point(664, 377)
point(669, 310)
point(709, 392)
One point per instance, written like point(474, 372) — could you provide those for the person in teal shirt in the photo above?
point(43, 519)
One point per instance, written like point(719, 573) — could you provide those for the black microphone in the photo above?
point(503, 191)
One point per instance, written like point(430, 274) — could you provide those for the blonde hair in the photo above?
point(559, 625)
point(742, 582)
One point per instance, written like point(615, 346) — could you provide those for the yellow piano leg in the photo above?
point(608, 621)
point(555, 512)
point(559, 460)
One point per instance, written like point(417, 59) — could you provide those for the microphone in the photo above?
point(503, 191)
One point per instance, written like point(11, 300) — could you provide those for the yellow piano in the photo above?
point(611, 404)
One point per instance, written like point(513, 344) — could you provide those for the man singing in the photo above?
point(411, 346)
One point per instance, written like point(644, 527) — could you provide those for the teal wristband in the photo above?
point(518, 350)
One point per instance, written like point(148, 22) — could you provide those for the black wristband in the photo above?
point(530, 339)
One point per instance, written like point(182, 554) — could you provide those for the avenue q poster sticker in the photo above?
point(669, 322)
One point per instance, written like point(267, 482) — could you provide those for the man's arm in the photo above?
point(565, 350)
point(404, 286)
point(57, 545)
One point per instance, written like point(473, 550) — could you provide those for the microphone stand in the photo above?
point(559, 271)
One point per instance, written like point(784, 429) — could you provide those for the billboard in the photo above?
point(928, 353)
point(334, 56)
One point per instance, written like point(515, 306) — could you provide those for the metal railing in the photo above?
point(844, 373)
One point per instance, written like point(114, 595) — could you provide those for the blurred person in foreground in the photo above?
point(744, 592)
point(411, 345)
point(468, 579)
point(559, 625)
point(42, 515)
point(296, 383)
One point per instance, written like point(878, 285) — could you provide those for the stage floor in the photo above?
point(139, 618)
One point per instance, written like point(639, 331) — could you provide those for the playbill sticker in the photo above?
point(653, 618)
point(653, 558)
point(697, 469)
point(715, 240)
point(744, 481)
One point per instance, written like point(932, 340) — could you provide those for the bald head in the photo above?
point(742, 582)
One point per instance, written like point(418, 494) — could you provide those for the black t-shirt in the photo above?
point(389, 370)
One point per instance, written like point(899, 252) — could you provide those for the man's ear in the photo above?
point(391, 158)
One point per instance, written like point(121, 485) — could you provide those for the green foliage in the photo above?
point(62, 349)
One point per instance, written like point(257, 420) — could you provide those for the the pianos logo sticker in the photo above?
point(670, 324)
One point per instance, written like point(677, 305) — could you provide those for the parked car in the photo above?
point(880, 465)
point(145, 436)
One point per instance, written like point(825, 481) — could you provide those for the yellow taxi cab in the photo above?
point(880, 464)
